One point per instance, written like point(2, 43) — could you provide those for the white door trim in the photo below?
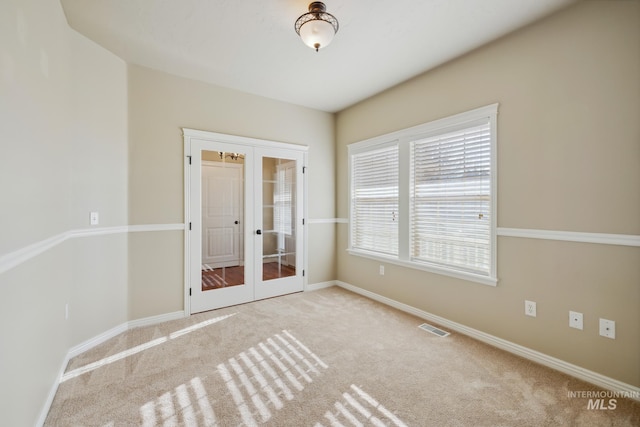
point(192, 135)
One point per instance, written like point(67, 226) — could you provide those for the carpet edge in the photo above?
point(525, 352)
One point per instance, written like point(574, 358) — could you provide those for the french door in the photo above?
point(244, 211)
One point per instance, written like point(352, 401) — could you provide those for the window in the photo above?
point(374, 201)
point(424, 197)
point(450, 198)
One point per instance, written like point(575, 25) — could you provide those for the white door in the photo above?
point(219, 275)
point(279, 268)
point(246, 216)
point(222, 200)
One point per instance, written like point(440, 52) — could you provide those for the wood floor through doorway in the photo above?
point(232, 276)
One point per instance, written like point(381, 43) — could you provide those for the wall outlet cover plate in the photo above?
point(608, 328)
point(575, 320)
point(530, 308)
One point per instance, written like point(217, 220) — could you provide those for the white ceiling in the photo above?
point(251, 45)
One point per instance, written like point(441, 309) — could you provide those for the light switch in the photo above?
point(94, 218)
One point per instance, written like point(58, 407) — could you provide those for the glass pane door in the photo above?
point(221, 226)
point(279, 263)
point(222, 220)
point(278, 218)
point(244, 234)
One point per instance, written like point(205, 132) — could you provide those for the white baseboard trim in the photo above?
point(535, 356)
point(73, 352)
point(93, 342)
point(321, 285)
point(52, 394)
point(154, 320)
point(99, 339)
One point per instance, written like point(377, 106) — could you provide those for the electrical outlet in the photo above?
point(608, 328)
point(575, 320)
point(530, 308)
point(95, 219)
point(381, 270)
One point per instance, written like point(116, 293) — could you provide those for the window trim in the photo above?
point(402, 139)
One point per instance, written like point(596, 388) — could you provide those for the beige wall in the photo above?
point(82, 131)
point(63, 153)
point(568, 160)
point(160, 105)
point(98, 139)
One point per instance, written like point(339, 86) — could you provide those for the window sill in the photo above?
point(484, 280)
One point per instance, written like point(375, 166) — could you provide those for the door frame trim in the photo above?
point(190, 135)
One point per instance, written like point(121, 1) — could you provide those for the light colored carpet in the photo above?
point(320, 358)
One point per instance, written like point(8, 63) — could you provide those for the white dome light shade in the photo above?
point(317, 33)
point(317, 27)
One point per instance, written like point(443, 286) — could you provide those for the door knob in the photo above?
point(236, 222)
point(258, 231)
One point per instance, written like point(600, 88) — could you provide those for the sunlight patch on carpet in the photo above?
point(188, 402)
point(140, 348)
point(262, 378)
point(358, 408)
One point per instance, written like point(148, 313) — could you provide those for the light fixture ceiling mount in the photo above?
point(316, 28)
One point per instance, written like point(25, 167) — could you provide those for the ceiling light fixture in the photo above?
point(316, 28)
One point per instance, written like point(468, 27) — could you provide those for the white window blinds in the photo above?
point(425, 197)
point(450, 199)
point(374, 200)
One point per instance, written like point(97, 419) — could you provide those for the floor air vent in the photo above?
point(433, 330)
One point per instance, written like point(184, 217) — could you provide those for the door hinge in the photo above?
point(302, 273)
point(189, 159)
point(189, 226)
point(189, 291)
point(304, 169)
point(302, 221)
